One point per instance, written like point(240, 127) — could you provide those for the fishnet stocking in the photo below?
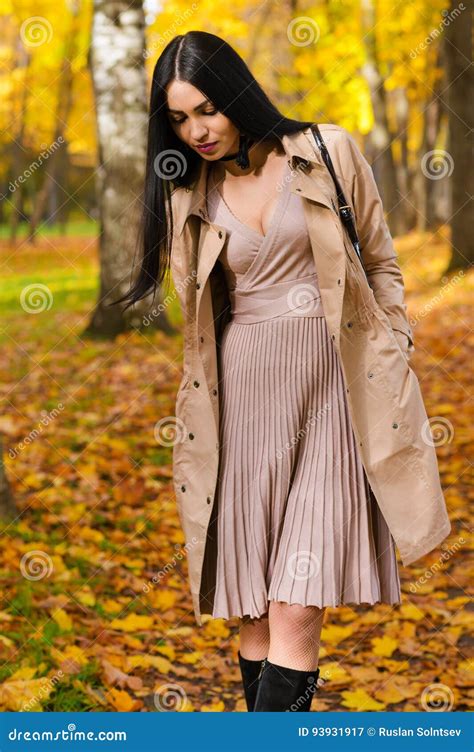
point(254, 637)
point(295, 633)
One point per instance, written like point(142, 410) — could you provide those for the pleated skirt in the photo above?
point(296, 521)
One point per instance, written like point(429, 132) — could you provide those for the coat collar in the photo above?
point(301, 151)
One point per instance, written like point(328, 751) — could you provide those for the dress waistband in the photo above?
point(294, 297)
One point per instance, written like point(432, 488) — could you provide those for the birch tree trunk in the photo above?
point(119, 81)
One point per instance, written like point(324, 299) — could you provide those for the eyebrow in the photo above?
point(198, 106)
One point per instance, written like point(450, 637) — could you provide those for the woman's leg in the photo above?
point(295, 633)
point(254, 637)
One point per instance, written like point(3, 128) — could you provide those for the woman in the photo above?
point(296, 390)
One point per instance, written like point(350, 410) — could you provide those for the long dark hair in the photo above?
point(211, 65)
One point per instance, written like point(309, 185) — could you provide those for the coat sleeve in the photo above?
point(378, 252)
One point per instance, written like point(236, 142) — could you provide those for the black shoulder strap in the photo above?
point(345, 211)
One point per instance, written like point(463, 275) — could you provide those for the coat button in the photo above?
point(183, 488)
point(220, 233)
point(191, 435)
point(394, 425)
point(202, 339)
point(338, 281)
point(198, 285)
point(196, 383)
point(214, 391)
point(370, 374)
point(209, 499)
point(349, 324)
point(333, 336)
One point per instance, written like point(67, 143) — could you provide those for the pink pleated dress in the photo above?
point(296, 521)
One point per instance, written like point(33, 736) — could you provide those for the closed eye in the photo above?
point(181, 120)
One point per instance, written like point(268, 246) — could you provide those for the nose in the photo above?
point(198, 132)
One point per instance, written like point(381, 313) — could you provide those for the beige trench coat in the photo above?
point(369, 329)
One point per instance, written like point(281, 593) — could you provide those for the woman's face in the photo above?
point(195, 121)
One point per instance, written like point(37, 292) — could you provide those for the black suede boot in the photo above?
point(282, 688)
point(250, 671)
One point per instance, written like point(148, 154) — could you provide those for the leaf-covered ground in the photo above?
point(96, 613)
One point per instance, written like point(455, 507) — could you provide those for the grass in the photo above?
point(78, 228)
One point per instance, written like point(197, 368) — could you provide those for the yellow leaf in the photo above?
point(26, 672)
point(88, 533)
point(360, 700)
point(111, 607)
point(167, 650)
point(62, 619)
point(389, 695)
point(410, 611)
point(384, 646)
point(334, 673)
point(71, 654)
point(192, 658)
point(335, 634)
point(162, 665)
point(86, 597)
point(217, 707)
point(217, 628)
point(25, 695)
point(121, 700)
point(132, 623)
point(163, 599)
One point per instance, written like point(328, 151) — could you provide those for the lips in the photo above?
point(207, 146)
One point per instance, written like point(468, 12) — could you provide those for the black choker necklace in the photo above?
point(242, 156)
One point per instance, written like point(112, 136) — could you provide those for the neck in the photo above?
point(258, 155)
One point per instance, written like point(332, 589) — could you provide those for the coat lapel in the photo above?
point(309, 178)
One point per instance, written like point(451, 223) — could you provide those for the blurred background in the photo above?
point(96, 611)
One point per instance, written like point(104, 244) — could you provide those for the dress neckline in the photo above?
point(274, 214)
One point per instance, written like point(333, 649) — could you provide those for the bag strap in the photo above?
point(345, 211)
